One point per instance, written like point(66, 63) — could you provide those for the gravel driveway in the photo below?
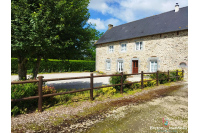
point(75, 83)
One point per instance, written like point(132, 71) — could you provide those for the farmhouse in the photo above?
point(156, 43)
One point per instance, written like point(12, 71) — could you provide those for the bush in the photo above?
point(100, 72)
point(164, 76)
point(48, 90)
point(20, 91)
point(173, 74)
point(149, 83)
point(161, 75)
point(57, 65)
point(117, 80)
point(108, 90)
point(135, 86)
point(26, 90)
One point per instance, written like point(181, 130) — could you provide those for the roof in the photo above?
point(162, 23)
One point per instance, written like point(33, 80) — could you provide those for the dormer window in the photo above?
point(139, 46)
point(123, 47)
point(111, 48)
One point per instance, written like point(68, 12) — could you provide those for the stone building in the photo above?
point(156, 43)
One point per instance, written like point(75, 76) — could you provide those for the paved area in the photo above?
point(75, 83)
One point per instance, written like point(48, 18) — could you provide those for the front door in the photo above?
point(135, 66)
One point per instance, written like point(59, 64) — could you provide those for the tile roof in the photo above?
point(162, 23)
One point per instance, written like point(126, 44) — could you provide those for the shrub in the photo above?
point(135, 86)
point(127, 85)
point(117, 80)
point(53, 65)
point(48, 90)
point(26, 90)
point(173, 74)
point(152, 83)
point(164, 75)
point(20, 91)
point(161, 75)
point(62, 98)
point(149, 83)
point(108, 90)
point(100, 72)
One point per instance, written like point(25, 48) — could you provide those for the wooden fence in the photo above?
point(41, 80)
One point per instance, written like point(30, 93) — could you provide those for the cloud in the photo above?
point(103, 24)
point(127, 10)
point(152, 5)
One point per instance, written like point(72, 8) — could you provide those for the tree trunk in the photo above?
point(22, 70)
point(36, 67)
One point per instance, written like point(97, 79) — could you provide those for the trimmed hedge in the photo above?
point(52, 65)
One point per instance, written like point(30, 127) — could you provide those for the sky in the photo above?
point(117, 12)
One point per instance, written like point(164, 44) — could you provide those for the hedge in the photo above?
point(53, 65)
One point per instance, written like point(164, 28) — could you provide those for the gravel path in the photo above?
point(75, 83)
point(148, 116)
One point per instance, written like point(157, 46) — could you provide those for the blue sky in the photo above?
point(117, 12)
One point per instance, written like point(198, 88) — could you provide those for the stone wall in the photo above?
point(170, 49)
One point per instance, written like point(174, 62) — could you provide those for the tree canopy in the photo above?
point(42, 28)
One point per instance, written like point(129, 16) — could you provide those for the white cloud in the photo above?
point(126, 10)
point(103, 24)
point(98, 22)
point(153, 5)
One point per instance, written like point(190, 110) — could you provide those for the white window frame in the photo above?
point(140, 44)
point(123, 49)
point(154, 62)
point(111, 49)
point(108, 61)
point(120, 66)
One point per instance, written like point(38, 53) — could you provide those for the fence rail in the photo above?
point(41, 80)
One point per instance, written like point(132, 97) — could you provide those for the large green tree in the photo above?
point(42, 28)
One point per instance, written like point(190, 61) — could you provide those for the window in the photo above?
point(153, 66)
point(111, 49)
point(139, 46)
point(108, 65)
point(123, 47)
point(120, 66)
point(182, 64)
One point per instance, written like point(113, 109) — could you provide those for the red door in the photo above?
point(135, 66)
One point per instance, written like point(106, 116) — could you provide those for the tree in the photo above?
point(43, 28)
point(90, 52)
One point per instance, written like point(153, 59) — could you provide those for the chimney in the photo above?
point(110, 26)
point(176, 7)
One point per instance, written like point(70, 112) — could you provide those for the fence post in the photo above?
point(40, 93)
point(183, 74)
point(141, 79)
point(121, 91)
point(91, 86)
point(157, 79)
point(168, 76)
point(176, 75)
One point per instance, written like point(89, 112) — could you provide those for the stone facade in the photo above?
point(169, 49)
